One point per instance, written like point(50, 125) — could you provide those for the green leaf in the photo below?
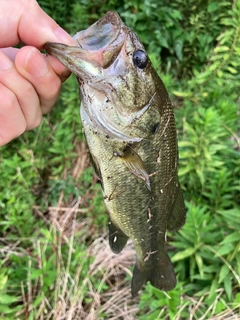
point(233, 237)
point(185, 144)
point(223, 273)
point(184, 94)
point(7, 310)
point(3, 280)
point(228, 286)
point(226, 249)
point(212, 7)
point(199, 262)
point(221, 49)
point(35, 274)
point(213, 288)
point(231, 215)
point(214, 66)
point(219, 307)
point(7, 299)
point(229, 22)
point(183, 254)
point(178, 50)
point(38, 300)
point(232, 70)
point(184, 170)
point(237, 298)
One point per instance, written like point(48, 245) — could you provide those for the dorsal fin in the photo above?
point(178, 215)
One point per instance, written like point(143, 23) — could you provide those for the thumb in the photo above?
point(24, 20)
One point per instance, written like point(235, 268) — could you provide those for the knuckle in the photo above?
point(28, 89)
point(35, 119)
point(21, 129)
point(7, 98)
point(48, 99)
point(53, 87)
point(35, 123)
point(55, 90)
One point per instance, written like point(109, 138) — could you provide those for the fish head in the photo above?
point(109, 57)
point(112, 66)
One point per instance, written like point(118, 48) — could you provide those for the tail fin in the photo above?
point(160, 273)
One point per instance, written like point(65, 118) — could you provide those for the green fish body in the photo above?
point(130, 129)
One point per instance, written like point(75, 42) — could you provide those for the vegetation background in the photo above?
point(55, 260)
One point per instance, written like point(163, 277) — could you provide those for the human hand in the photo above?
point(30, 82)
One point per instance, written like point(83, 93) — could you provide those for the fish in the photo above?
point(129, 125)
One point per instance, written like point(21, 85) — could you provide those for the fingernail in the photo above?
point(63, 36)
point(35, 64)
point(5, 62)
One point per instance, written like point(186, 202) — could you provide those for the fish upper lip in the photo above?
point(98, 45)
point(101, 34)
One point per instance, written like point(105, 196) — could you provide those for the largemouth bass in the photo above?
point(129, 126)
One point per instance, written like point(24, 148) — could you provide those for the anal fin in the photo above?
point(117, 239)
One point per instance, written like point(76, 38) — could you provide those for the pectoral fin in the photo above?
point(117, 239)
point(135, 165)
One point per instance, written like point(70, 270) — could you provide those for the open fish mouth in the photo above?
point(96, 47)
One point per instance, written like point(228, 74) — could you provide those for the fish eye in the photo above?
point(140, 59)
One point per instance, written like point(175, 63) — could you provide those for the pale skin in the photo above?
point(30, 82)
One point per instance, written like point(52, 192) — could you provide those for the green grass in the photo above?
point(55, 259)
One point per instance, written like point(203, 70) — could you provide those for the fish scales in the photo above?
point(130, 129)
